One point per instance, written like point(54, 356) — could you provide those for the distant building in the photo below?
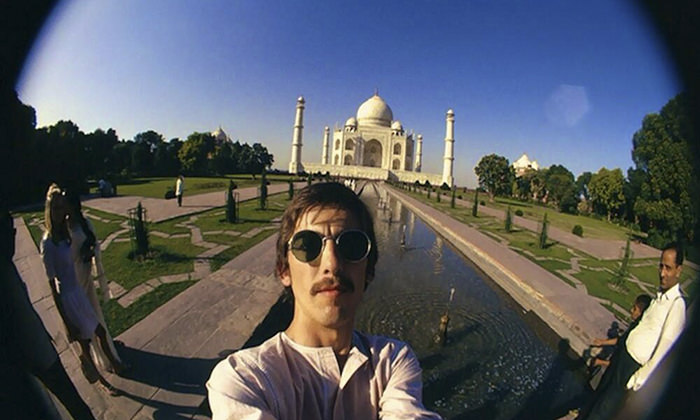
point(220, 136)
point(373, 145)
point(524, 164)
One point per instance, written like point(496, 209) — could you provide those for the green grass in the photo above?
point(157, 186)
point(90, 212)
point(648, 274)
point(103, 230)
point(553, 265)
point(596, 263)
point(597, 284)
point(238, 246)
point(171, 256)
point(250, 216)
point(592, 228)
point(527, 241)
point(120, 319)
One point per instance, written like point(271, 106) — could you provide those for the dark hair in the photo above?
point(324, 195)
point(676, 246)
point(87, 248)
point(643, 301)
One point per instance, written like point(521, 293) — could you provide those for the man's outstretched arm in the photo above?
point(233, 395)
point(402, 397)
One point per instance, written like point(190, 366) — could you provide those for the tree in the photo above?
point(143, 152)
point(543, 233)
point(521, 186)
point(631, 190)
point(509, 220)
point(98, 146)
point(261, 159)
point(195, 152)
point(537, 185)
point(582, 185)
point(19, 158)
point(475, 205)
point(495, 175)
point(263, 191)
point(165, 160)
point(623, 272)
point(559, 183)
point(231, 202)
point(667, 204)
point(606, 189)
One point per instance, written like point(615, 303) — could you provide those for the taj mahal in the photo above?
point(372, 145)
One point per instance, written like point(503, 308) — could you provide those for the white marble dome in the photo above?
point(374, 111)
point(351, 122)
point(396, 125)
point(220, 135)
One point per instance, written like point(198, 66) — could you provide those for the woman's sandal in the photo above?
point(109, 389)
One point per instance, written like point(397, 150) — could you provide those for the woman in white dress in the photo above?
point(73, 304)
point(87, 257)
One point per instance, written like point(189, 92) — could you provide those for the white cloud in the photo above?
point(567, 105)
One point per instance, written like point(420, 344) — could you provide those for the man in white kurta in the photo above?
point(648, 343)
point(320, 368)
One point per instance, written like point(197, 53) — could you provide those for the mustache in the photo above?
point(342, 283)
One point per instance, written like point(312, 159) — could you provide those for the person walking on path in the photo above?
point(87, 257)
point(320, 367)
point(72, 302)
point(26, 349)
point(646, 345)
point(179, 189)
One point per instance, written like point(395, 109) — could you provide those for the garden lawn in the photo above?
point(156, 187)
point(120, 319)
point(598, 285)
point(171, 256)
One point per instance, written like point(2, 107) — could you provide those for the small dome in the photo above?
point(351, 122)
point(300, 100)
point(396, 125)
point(450, 112)
point(375, 111)
point(220, 135)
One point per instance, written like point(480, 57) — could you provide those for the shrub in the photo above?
point(519, 213)
point(509, 221)
point(577, 230)
point(482, 202)
point(444, 186)
point(543, 233)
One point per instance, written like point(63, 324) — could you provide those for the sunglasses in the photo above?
point(352, 245)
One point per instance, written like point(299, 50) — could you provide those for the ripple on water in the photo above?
point(492, 364)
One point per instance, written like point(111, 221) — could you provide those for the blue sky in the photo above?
point(566, 82)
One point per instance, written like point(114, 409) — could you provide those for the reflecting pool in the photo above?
point(498, 362)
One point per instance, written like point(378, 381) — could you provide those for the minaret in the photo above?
point(419, 154)
point(326, 139)
point(447, 177)
point(295, 164)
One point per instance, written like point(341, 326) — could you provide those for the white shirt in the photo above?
point(661, 323)
point(179, 186)
point(281, 379)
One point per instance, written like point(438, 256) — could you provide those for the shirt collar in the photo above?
point(671, 293)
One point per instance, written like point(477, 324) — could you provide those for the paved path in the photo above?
point(570, 312)
point(173, 349)
point(160, 209)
